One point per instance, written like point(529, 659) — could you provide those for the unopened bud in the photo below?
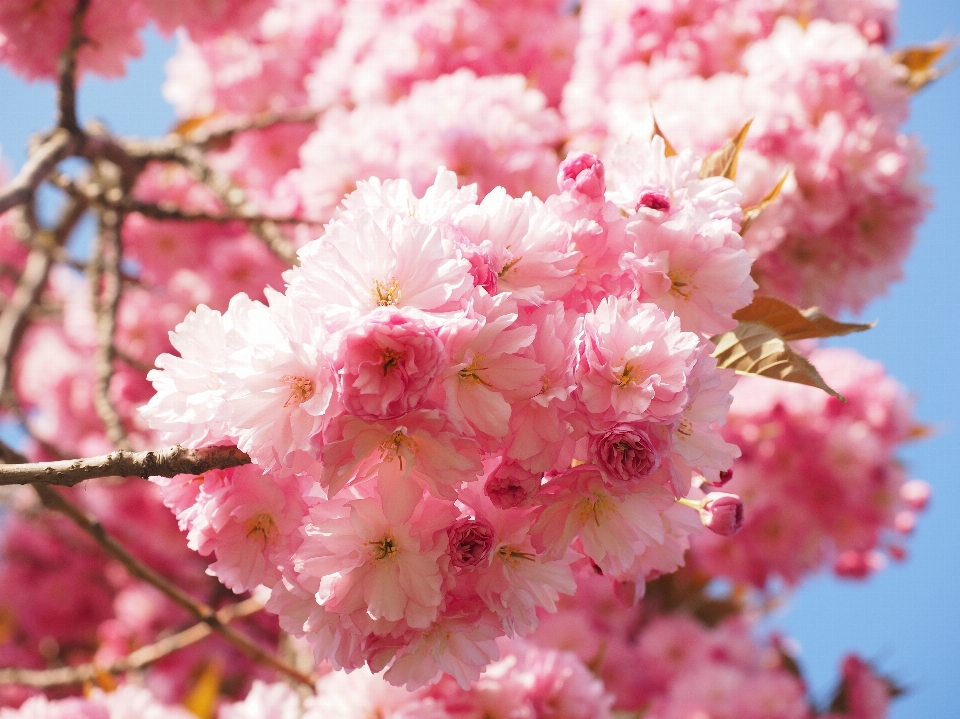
point(584, 173)
point(854, 564)
point(654, 201)
point(916, 493)
point(722, 513)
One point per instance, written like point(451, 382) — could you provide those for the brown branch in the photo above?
point(138, 659)
point(67, 69)
point(15, 314)
point(203, 137)
point(167, 462)
point(201, 612)
point(234, 197)
point(159, 211)
point(107, 291)
point(41, 161)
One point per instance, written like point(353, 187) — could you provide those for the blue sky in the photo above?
point(907, 619)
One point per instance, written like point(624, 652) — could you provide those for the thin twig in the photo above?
point(159, 211)
point(19, 190)
point(204, 138)
point(138, 659)
point(203, 613)
point(108, 289)
point(15, 314)
point(235, 198)
point(67, 69)
point(167, 462)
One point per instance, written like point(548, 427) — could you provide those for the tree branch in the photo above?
point(19, 190)
point(15, 314)
point(107, 292)
point(162, 210)
point(235, 198)
point(204, 138)
point(203, 613)
point(67, 69)
point(167, 462)
point(65, 676)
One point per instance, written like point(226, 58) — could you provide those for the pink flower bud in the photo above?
point(654, 201)
point(904, 522)
point(470, 542)
point(510, 485)
point(916, 493)
point(722, 513)
point(584, 173)
point(854, 564)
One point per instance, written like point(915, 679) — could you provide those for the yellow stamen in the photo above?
point(512, 556)
point(265, 527)
point(301, 389)
point(471, 373)
point(387, 293)
point(383, 549)
point(394, 447)
point(680, 285)
point(391, 358)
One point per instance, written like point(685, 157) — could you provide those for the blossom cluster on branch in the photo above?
point(436, 306)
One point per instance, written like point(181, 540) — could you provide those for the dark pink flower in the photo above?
point(470, 542)
point(510, 485)
point(387, 364)
point(584, 173)
point(655, 201)
point(626, 452)
point(722, 513)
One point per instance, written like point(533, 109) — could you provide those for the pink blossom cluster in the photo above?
point(32, 34)
point(63, 602)
point(669, 664)
point(404, 87)
point(344, 53)
point(455, 401)
point(127, 702)
point(827, 104)
point(820, 477)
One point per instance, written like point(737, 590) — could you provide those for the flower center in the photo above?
point(508, 266)
point(630, 374)
point(301, 389)
point(680, 284)
point(471, 373)
point(387, 293)
point(513, 556)
point(395, 446)
point(391, 360)
point(598, 508)
point(383, 549)
point(263, 527)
